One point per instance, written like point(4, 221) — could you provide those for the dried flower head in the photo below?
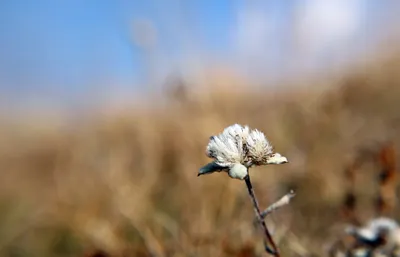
point(259, 148)
point(225, 148)
point(238, 144)
point(238, 132)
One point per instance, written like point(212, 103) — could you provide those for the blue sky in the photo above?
point(69, 48)
point(62, 45)
point(66, 50)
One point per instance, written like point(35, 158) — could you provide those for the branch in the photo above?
point(274, 250)
point(278, 204)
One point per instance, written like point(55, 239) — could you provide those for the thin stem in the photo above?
point(284, 200)
point(274, 250)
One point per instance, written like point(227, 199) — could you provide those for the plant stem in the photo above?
point(278, 204)
point(259, 217)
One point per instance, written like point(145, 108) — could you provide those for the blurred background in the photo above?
point(106, 108)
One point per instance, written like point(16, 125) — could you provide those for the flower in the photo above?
point(259, 148)
point(225, 149)
point(236, 149)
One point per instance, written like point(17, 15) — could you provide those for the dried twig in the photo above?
point(284, 200)
point(274, 249)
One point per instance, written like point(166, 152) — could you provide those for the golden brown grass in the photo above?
point(127, 184)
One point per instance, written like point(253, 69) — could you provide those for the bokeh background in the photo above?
point(106, 108)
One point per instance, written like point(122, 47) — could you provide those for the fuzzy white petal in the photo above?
point(259, 148)
point(238, 171)
point(227, 147)
point(238, 132)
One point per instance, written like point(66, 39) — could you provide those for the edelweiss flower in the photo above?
point(236, 149)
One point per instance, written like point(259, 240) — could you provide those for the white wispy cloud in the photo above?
point(275, 39)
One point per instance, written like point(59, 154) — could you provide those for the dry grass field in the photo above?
point(126, 184)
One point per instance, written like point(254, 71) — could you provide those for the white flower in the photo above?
point(236, 149)
point(225, 148)
point(259, 148)
point(238, 132)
